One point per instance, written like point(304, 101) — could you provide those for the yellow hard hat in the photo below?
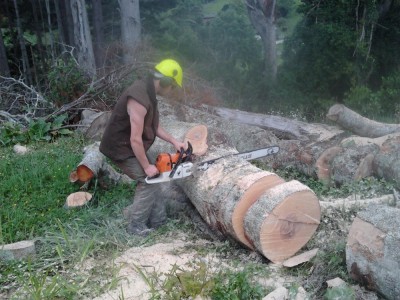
point(170, 68)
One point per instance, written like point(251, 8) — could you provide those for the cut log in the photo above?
point(283, 220)
point(372, 249)
point(284, 128)
point(223, 194)
point(90, 165)
point(359, 125)
point(93, 123)
point(18, 250)
point(93, 165)
point(386, 163)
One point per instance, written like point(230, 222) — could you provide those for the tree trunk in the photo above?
point(51, 36)
point(225, 192)
point(386, 163)
point(82, 37)
point(283, 220)
point(60, 25)
point(98, 33)
point(130, 28)
point(38, 33)
point(24, 53)
point(358, 124)
point(372, 249)
point(282, 127)
point(262, 16)
point(4, 70)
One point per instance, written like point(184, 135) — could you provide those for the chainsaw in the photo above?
point(180, 165)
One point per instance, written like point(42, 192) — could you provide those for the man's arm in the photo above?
point(163, 134)
point(137, 113)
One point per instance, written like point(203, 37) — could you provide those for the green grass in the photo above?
point(34, 188)
point(33, 191)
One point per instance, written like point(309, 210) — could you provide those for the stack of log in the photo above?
point(262, 211)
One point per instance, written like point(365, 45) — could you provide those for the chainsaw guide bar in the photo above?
point(185, 169)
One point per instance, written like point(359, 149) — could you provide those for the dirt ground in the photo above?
point(142, 266)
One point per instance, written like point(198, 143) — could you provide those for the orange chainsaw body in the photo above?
point(166, 161)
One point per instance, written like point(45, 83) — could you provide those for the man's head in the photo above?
point(169, 73)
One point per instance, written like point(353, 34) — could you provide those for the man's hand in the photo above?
point(179, 145)
point(151, 171)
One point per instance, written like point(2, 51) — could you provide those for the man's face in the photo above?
point(165, 91)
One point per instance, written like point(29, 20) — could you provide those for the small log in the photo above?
point(358, 124)
point(93, 123)
point(283, 220)
point(90, 165)
point(372, 249)
point(18, 250)
point(386, 163)
point(323, 164)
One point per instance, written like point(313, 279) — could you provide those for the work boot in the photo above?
point(139, 229)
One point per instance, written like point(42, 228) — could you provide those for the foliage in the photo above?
point(341, 292)
point(338, 52)
point(231, 285)
point(37, 130)
point(66, 82)
point(196, 279)
point(367, 187)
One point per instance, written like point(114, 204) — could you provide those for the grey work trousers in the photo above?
point(149, 207)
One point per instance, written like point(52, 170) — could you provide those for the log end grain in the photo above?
point(283, 220)
point(84, 173)
point(77, 199)
point(253, 192)
point(335, 111)
point(290, 226)
point(197, 136)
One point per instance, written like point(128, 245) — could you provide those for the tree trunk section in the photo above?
point(283, 220)
point(358, 124)
point(386, 163)
point(372, 249)
point(82, 37)
point(98, 33)
point(4, 69)
point(24, 53)
point(226, 192)
point(130, 28)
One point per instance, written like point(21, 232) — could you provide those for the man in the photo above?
point(131, 130)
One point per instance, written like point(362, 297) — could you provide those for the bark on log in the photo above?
point(284, 128)
point(358, 124)
point(386, 163)
point(372, 250)
point(18, 250)
point(93, 165)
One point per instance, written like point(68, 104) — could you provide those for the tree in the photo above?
point(4, 70)
point(82, 37)
point(98, 32)
point(262, 16)
point(24, 53)
point(130, 28)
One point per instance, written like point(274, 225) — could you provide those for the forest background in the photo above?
point(258, 55)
